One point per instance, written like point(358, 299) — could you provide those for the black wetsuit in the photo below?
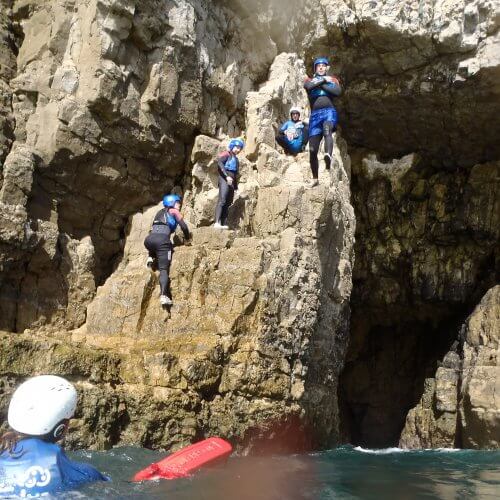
point(321, 92)
point(228, 166)
point(159, 244)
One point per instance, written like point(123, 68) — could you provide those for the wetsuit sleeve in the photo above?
point(283, 128)
point(332, 86)
point(221, 162)
point(181, 222)
point(314, 82)
point(74, 473)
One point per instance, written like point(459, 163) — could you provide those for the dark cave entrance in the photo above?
point(422, 263)
point(385, 370)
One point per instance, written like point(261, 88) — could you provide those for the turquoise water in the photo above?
point(343, 473)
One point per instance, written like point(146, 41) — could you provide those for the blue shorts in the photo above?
point(320, 116)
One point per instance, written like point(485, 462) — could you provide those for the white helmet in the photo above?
point(295, 109)
point(40, 403)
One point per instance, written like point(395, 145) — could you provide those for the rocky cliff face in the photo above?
point(460, 404)
point(108, 104)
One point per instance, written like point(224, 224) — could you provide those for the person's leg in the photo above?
point(314, 143)
point(164, 252)
point(281, 140)
point(151, 248)
point(223, 193)
point(328, 128)
point(229, 201)
point(163, 281)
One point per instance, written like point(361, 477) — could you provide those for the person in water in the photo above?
point(32, 464)
point(321, 91)
point(228, 166)
point(159, 243)
point(293, 134)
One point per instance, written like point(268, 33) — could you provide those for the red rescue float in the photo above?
point(185, 461)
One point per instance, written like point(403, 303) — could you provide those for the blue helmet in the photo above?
point(320, 60)
point(169, 200)
point(236, 142)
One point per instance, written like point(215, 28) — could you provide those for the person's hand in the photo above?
point(230, 180)
point(319, 79)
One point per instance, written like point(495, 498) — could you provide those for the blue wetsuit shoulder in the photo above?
point(75, 473)
point(37, 468)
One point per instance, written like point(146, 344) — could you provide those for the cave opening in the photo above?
point(425, 254)
point(386, 367)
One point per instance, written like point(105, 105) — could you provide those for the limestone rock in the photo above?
point(461, 407)
point(101, 104)
point(479, 406)
point(245, 304)
point(271, 104)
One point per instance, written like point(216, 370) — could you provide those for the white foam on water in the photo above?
point(381, 451)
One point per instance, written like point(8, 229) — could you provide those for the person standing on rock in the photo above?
point(32, 465)
point(293, 134)
point(321, 91)
point(159, 243)
point(228, 166)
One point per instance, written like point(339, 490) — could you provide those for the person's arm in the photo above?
point(181, 222)
point(332, 86)
point(74, 473)
point(221, 162)
point(311, 83)
point(283, 128)
point(236, 175)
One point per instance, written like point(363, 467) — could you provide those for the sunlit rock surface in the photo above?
point(106, 105)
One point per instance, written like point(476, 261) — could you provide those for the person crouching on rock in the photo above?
point(293, 134)
point(31, 463)
point(321, 90)
point(159, 243)
point(228, 166)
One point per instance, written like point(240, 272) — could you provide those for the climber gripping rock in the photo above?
point(159, 244)
point(228, 166)
point(293, 134)
point(321, 91)
point(32, 465)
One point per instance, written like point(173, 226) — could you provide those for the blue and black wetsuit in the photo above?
point(321, 91)
point(158, 241)
point(36, 468)
point(298, 130)
point(228, 166)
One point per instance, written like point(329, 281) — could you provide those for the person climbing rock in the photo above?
point(159, 243)
point(32, 465)
point(321, 91)
point(228, 166)
point(293, 134)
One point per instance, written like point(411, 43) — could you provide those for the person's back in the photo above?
point(36, 468)
point(32, 465)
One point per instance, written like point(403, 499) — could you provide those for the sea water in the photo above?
point(344, 473)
